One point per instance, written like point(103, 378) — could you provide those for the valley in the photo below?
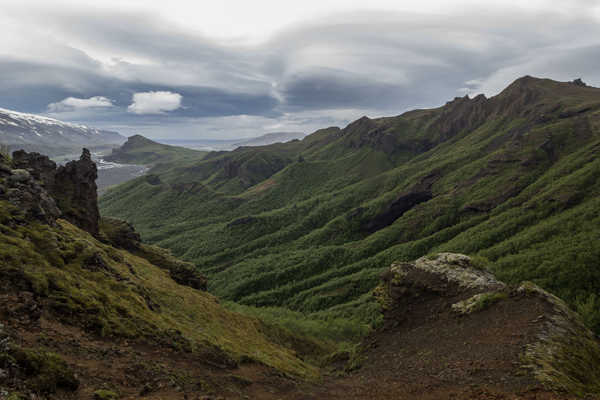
point(302, 230)
point(443, 253)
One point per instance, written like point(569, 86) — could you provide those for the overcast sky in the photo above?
point(232, 68)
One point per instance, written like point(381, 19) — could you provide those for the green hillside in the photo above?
point(88, 311)
point(309, 225)
point(140, 150)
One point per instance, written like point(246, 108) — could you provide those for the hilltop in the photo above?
point(270, 138)
point(307, 226)
point(53, 137)
point(141, 150)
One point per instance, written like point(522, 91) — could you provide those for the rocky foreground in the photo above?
point(453, 331)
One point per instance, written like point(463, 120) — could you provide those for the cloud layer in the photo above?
point(134, 71)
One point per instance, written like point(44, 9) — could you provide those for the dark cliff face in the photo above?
point(71, 187)
point(76, 193)
point(23, 189)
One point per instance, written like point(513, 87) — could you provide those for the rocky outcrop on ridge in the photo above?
point(71, 187)
point(76, 193)
point(23, 189)
point(455, 322)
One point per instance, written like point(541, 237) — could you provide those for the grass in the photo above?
point(127, 296)
point(479, 302)
point(140, 150)
point(272, 229)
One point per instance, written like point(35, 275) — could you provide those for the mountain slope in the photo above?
point(270, 138)
point(453, 331)
point(89, 311)
point(93, 312)
point(140, 150)
point(36, 133)
point(309, 225)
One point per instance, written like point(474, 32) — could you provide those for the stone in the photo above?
point(120, 233)
point(48, 192)
point(74, 189)
point(41, 167)
point(19, 176)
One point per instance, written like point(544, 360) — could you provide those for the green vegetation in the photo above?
point(478, 302)
point(308, 226)
point(103, 394)
point(140, 150)
point(567, 355)
point(46, 372)
point(112, 293)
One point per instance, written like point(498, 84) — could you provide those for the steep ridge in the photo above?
point(105, 316)
point(309, 225)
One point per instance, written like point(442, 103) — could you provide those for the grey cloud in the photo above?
point(345, 65)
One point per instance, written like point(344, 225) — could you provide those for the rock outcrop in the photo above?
point(41, 187)
point(120, 233)
point(26, 192)
point(76, 193)
point(516, 337)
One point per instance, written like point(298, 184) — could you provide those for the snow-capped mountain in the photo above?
point(34, 132)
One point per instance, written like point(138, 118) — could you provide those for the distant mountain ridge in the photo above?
point(270, 138)
point(38, 133)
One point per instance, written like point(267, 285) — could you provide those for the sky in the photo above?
point(230, 69)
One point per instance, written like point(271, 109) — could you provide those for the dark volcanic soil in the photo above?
point(429, 352)
point(424, 351)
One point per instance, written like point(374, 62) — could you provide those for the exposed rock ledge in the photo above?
point(519, 335)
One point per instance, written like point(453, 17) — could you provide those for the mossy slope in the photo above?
point(513, 178)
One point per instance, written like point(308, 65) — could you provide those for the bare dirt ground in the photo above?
point(424, 351)
point(427, 352)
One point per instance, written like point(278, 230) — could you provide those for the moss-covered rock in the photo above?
point(566, 355)
point(478, 302)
